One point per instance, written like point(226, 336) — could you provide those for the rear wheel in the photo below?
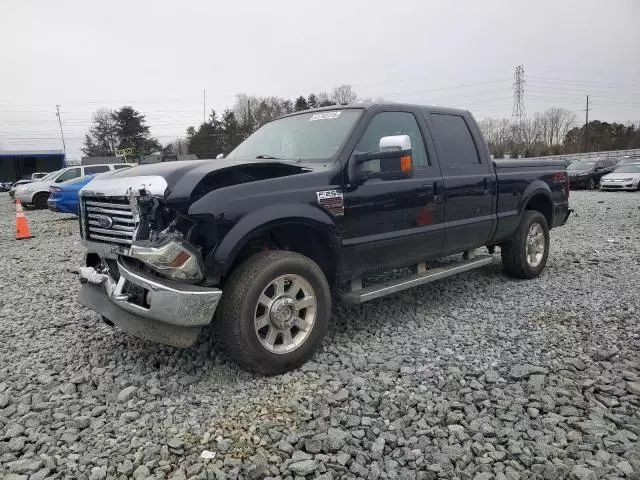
point(525, 256)
point(274, 312)
point(40, 200)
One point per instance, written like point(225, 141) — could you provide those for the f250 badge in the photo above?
point(332, 200)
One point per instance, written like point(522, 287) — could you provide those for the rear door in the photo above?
point(469, 182)
point(393, 221)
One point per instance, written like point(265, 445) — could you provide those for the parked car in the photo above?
point(624, 177)
point(586, 173)
point(12, 190)
point(5, 186)
point(36, 193)
point(64, 197)
point(311, 202)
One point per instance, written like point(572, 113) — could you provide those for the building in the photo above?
point(18, 164)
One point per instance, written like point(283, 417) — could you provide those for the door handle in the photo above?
point(437, 195)
point(486, 186)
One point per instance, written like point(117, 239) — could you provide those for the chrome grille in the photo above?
point(118, 210)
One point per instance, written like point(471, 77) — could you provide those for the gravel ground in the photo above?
point(476, 377)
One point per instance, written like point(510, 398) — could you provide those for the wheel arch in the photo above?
point(300, 228)
point(538, 197)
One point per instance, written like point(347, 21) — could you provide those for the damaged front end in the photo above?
point(142, 268)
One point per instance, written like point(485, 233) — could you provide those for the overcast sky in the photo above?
point(159, 55)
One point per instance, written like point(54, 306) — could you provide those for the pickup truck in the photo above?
point(307, 209)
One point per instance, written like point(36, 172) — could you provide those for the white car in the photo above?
point(625, 177)
point(36, 193)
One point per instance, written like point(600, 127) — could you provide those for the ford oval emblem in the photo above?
point(104, 221)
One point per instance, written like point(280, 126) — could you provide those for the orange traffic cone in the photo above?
point(22, 226)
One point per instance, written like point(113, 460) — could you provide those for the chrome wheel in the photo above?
point(535, 245)
point(285, 313)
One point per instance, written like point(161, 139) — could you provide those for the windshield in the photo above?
point(308, 136)
point(581, 165)
point(49, 176)
point(630, 168)
point(625, 161)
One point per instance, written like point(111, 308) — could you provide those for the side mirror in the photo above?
point(219, 156)
point(394, 160)
point(598, 169)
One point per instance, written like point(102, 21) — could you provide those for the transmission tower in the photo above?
point(518, 114)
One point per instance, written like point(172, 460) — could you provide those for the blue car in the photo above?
point(64, 197)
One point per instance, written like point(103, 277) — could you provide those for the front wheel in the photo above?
point(40, 201)
point(525, 256)
point(275, 311)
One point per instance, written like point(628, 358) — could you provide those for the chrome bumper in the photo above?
point(175, 314)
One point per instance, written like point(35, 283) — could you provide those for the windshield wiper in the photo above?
point(263, 156)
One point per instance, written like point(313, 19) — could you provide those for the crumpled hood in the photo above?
point(190, 179)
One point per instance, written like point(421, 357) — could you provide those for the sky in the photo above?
point(159, 56)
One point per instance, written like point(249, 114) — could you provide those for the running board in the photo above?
point(382, 289)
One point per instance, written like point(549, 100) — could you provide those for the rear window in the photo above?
point(458, 147)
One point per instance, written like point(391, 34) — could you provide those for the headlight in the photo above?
point(175, 259)
point(625, 179)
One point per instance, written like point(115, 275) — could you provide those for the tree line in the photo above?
point(113, 130)
point(556, 132)
point(552, 132)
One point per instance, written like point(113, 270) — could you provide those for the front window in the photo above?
point(308, 136)
point(581, 165)
point(631, 168)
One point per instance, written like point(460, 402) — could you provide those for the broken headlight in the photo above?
point(174, 259)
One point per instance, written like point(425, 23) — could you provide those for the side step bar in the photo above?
point(382, 289)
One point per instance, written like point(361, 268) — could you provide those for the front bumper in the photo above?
point(25, 198)
point(578, 182)
point(618, 186)
point(62, 206)
point(174, 313)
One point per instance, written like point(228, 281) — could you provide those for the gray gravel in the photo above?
point(477, 377)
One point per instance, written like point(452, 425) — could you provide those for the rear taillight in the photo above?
point(568, 187)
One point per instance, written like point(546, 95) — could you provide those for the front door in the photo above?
point(392, 221)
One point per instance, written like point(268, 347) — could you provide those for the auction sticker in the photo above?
point(325, 116)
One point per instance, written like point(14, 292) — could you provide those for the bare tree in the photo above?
point(343, 95)
point(556, 122)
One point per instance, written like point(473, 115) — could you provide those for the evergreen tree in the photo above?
point(301, 104)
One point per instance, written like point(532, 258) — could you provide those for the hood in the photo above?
point(191, 179)
point(620, 175)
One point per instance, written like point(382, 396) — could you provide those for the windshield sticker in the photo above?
point(325, 116)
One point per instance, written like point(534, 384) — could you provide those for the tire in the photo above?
point(257, 348)
point(591, 184)
point(40, 201)
point(515, 258)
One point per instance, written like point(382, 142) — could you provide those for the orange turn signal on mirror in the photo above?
point(406, 163)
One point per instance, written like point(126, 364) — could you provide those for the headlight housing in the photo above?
point(174, 259)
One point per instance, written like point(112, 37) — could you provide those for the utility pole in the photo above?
point(586, 127)
point(64, 147)
point(204, 105)
point(518, 113)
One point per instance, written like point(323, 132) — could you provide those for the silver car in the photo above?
point(36, 193)
point(625, 177)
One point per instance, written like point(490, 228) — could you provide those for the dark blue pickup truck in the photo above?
point(310, 204)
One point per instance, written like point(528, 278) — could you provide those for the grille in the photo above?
point(108, 220)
